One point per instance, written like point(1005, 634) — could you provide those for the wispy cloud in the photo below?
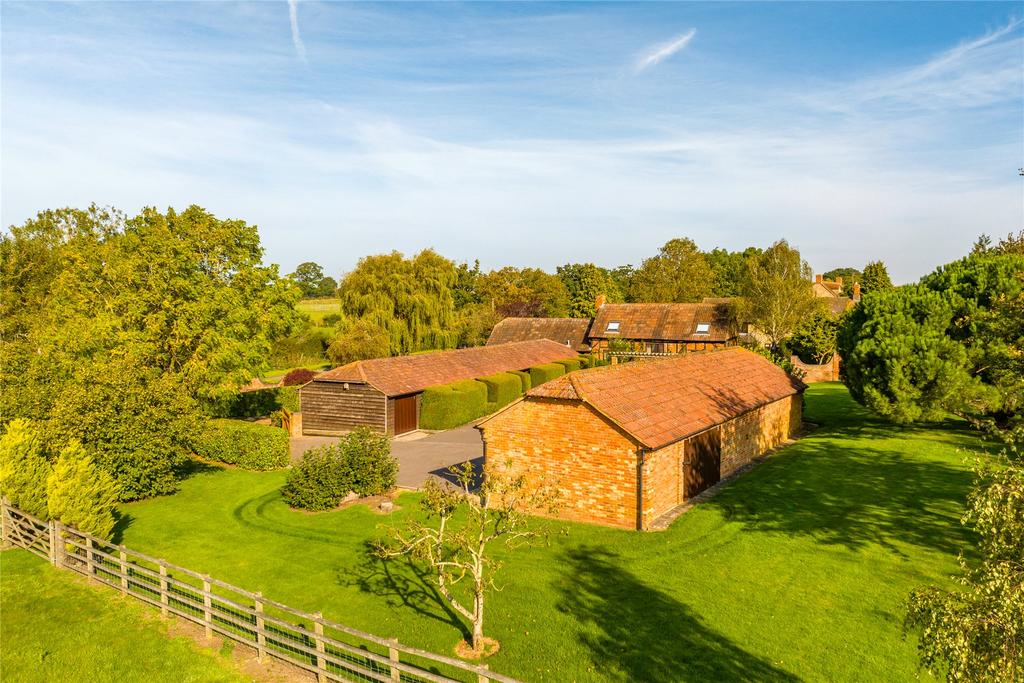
point(662, 51)
point(293, 14)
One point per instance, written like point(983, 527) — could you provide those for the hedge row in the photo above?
point(247, 445)
point(545, 373)
point(450, 405)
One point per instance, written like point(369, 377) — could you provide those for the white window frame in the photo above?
point(703, 328)
point(613, 326)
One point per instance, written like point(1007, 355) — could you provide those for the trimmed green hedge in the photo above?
point(450, 405)
point(571, 364)
point(247, 445)
point(502, 389)
point(545, 373)
point(524, 377)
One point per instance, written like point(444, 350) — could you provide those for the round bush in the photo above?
point(297, 376)
point(360, 462)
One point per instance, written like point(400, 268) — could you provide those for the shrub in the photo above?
point(502, 389)
point(331, 319)
point(80, 494)
point(319, 481)
point(571, 364)
point(368, 454)
point(260, 403)
point(545, 373)
point(288, 397)
point(524, 377)
point(451, 405)
point(249, 446)
point(297, 376)
point(361, 461)
point(24, 468)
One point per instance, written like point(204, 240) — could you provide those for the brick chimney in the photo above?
point(599, 301)
point(856, 291)
point(839, 280)
point(817, 278)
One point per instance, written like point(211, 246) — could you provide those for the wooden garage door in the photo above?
point(405, 414)
point(704, 462)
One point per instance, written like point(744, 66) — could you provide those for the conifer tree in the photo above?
point(80, 494)
point(24, 468)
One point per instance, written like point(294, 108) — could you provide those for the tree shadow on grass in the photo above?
point(402, 583)
point(122, 520)
point(637, 633)
point(852, 496)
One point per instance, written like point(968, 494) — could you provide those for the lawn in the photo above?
point(797, 570)
point(316, 309)
point(56, 627)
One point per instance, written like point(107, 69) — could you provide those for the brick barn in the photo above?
point(628, 443)
point(384, 393)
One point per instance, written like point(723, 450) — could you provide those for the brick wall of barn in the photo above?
point(752, 434)
point(566, 444)
point(663, 481)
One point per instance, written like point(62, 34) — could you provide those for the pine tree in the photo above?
point(875, 278)
point(81, 494)
point(24, 468)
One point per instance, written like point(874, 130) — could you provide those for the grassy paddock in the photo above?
point(316, 309)
point(55, 627)
point(797, 570)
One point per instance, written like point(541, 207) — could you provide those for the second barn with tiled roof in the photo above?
point(569, 331)
point(661, 328)
point(384, 393)
point(627, 443)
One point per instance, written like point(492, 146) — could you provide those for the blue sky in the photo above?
point(528, 134)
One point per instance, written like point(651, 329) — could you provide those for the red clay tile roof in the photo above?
point(840, 304)
point(409, 374)
point(662, 401)
point(561, 330)
point(663, 322)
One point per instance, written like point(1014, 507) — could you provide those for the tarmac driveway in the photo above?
point(420, 455)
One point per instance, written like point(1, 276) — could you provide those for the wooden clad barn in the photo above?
point(569, 331)
point(662, 328)
point(384, 393)
point(628, 443)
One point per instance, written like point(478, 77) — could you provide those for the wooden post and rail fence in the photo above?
point(330, 651)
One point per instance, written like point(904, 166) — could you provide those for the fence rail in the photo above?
point(330, 651)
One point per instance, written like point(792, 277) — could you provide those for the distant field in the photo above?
point(56, 627)
point(316, 309)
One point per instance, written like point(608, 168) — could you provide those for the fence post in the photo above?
point(318, 631)
point(124, 569)
point(89, 562)
point(163, 588)
point(482, 678)
point(261, 639)
point(207, 608)
point(52, 532)
point(57, 543)
point(396, 675)
point(5, 542)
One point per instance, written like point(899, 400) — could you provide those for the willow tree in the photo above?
point(411, 299)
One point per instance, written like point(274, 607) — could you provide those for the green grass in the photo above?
point(797, 570)
point(55, 627)
point(316, 309)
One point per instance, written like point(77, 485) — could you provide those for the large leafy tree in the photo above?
point(729, 268)
point(776, 292)
point(524, 292)
point(585, 282)
point(953, 342)
point(814, 339)
point(679, 273)
point(411, 299)
point(875, 278)
point(125, 330)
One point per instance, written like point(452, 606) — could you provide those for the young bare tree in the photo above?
point(461, 527)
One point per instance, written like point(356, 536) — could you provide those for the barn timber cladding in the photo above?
point(384, 393)
point(630, 442)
